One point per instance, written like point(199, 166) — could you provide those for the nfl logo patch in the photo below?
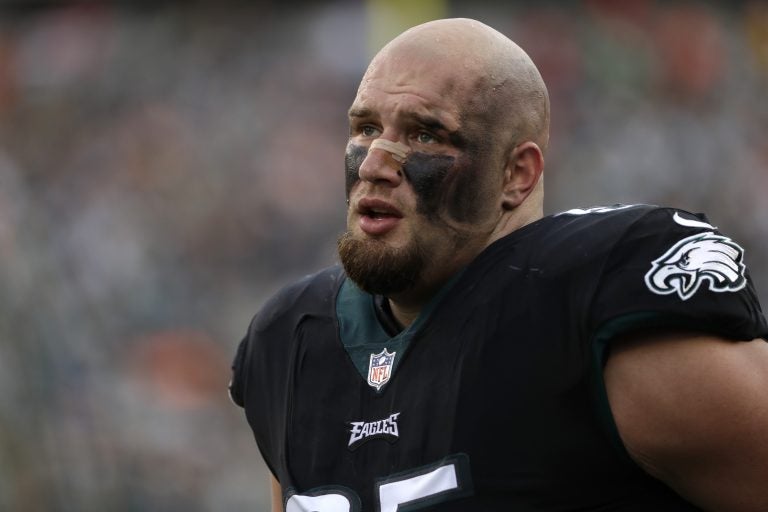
point(380, 368)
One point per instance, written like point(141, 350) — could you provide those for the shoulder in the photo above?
point(275, 324)
point(589, 232)
point(312, 294)
point(682, 269)
point(674, 249)
point(645, 227)
point(616, 222)
point(269, 334)
point(630, 262)
point(580, 242)
point(581, 239)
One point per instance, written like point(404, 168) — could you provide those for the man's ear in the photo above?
point(522, 174)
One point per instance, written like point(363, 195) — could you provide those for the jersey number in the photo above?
point(446, 480)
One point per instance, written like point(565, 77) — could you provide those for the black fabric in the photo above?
point(498, 382)
point(385, 316)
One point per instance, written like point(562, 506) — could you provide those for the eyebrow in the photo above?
point(430, 122)
point(359, 112)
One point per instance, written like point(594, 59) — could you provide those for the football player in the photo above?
point(470, 353)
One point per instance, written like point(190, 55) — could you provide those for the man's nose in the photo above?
point(384, 162)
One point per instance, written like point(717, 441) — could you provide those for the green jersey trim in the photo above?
point(361, 333)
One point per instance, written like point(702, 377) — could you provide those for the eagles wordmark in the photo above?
point(364, 430)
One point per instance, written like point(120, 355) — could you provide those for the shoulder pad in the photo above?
point(314, 294)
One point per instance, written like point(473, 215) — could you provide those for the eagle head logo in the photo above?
point(704, 257)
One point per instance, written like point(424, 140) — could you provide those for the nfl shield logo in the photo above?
point(380, 368)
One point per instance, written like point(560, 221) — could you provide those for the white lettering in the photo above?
point(361, 430)
point(356, 431)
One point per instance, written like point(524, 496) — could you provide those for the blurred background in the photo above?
point(166, 166)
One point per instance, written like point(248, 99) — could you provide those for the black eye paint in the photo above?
point(446, 184)
point(464, 195)
point(352, 162)
point(440, 182)
point(427, 173)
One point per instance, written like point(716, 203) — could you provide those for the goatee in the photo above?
point(378, 268)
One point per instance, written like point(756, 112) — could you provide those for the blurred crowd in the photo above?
point(164, 169)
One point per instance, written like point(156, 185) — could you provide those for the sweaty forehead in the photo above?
point(443, 72)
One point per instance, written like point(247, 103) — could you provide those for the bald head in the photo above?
point(502, 88)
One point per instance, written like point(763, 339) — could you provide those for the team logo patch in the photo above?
point(704, 257)
point(363, 431)
point(380, 368)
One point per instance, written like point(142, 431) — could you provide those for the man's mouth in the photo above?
point(377, 217)
point(377, 214)
point(376, 208)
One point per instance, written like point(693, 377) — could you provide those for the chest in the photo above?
point(514, 400)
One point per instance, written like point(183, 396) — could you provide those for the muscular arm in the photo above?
point(692, 410)
point(277, 494)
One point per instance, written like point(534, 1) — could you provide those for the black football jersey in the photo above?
point(493, 400)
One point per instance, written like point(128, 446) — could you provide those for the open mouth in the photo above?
point(377, 217)
point(377, 209)
point(378, 214)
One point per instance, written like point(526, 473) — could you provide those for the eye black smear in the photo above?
point(352, 162)
point(427, 173)
point(435, 179)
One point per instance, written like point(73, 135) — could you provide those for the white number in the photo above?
point(330, 502)
point(400, 492)
point(444, 481)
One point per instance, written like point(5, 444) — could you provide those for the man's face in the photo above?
point(435, 208)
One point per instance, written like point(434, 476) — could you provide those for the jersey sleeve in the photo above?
point(238, 372)
point(673, 269)
point(262, 369)
point(254, 388)
point(265, 341)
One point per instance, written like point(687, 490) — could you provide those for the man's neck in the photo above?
point(407, 305)
point(404, 314)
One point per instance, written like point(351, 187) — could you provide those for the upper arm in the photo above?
point(692, 410)
point(277, 494)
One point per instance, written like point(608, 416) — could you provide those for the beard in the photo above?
point(378, 268)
